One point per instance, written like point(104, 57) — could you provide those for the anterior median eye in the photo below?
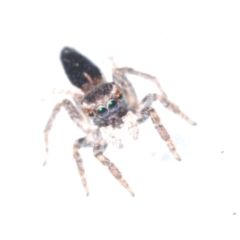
point(112, 105)
point(102, 112)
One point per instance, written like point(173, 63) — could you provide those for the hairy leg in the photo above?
point(82, 142)
point(98, 150)
point(74, 115)
point(150, 98)
point(127, 70)
point(64, 91)
point(147, 112)
point(76, 96)
point(120, 79)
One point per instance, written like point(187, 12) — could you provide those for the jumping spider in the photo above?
point(104, 106)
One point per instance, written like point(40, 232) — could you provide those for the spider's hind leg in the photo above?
point(126, 70)
point(121, 80)
point(98, 150)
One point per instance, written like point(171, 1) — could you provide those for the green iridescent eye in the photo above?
point(102, 112)
point(112, 105)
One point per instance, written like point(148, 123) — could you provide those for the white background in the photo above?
point(193, 47)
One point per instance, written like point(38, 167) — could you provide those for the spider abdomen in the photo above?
point(81, 72)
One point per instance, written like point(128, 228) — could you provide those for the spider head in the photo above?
point(104, 104)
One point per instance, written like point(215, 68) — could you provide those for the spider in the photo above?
point(102, 106)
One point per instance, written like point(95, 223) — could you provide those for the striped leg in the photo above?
point(74, 115)
point(82, 142)
point(98, 150)
point(147, 112)
point(150, 98)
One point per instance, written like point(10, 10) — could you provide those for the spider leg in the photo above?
point(74, 114)
point(126, 87)
point(147, 112)
point(150, 98)
point(127, 70)
point(76, 96)
point(98, 150)
point(63, 91)
point(82, 142)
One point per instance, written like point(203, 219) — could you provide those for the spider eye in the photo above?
point(120, 96)
point(112, 105)
point(91, 114)
point(102, 112)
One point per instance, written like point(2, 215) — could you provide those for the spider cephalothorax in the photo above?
point(104, 106)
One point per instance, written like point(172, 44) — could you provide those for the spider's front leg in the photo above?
point(75, 114)
point(150, 98)
point(82, 142)
point(147, 112)
point(98, 150)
